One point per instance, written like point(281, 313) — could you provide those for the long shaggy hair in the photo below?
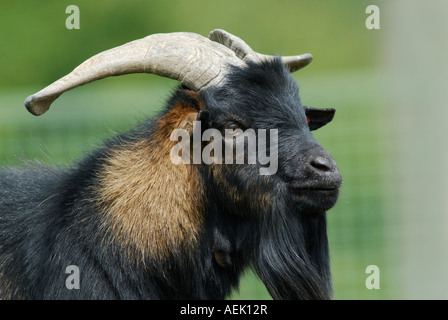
point(140, 227)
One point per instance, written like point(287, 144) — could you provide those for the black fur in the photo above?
point(48, 221)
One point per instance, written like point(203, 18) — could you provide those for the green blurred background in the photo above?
point(350, 72)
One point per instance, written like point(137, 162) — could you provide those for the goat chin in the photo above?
point(292, 258)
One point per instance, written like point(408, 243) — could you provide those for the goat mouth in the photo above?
point(315, 197)
point(313, 188)
point(321, 191)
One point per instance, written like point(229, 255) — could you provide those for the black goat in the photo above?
point(138, 226)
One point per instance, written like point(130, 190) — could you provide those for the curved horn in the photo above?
point(237, 45)
point(245, 52)
point(195, 61)
point(293, 63)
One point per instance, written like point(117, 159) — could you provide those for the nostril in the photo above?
point(323, 164)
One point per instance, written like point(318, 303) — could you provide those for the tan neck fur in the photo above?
point(152, 206)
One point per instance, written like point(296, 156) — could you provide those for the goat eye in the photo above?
point(232, 128)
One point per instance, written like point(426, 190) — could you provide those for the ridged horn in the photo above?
point(194, 60)
point(245, 52)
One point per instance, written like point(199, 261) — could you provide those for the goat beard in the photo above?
point(292, 258)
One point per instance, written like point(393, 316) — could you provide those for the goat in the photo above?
point(138, 226)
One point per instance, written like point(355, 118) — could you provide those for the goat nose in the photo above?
point(323, 164)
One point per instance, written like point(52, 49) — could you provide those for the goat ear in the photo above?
point(317, 118)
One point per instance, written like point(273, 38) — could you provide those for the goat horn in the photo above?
point(195, 61)
point(237, 45)
point(245, 52)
